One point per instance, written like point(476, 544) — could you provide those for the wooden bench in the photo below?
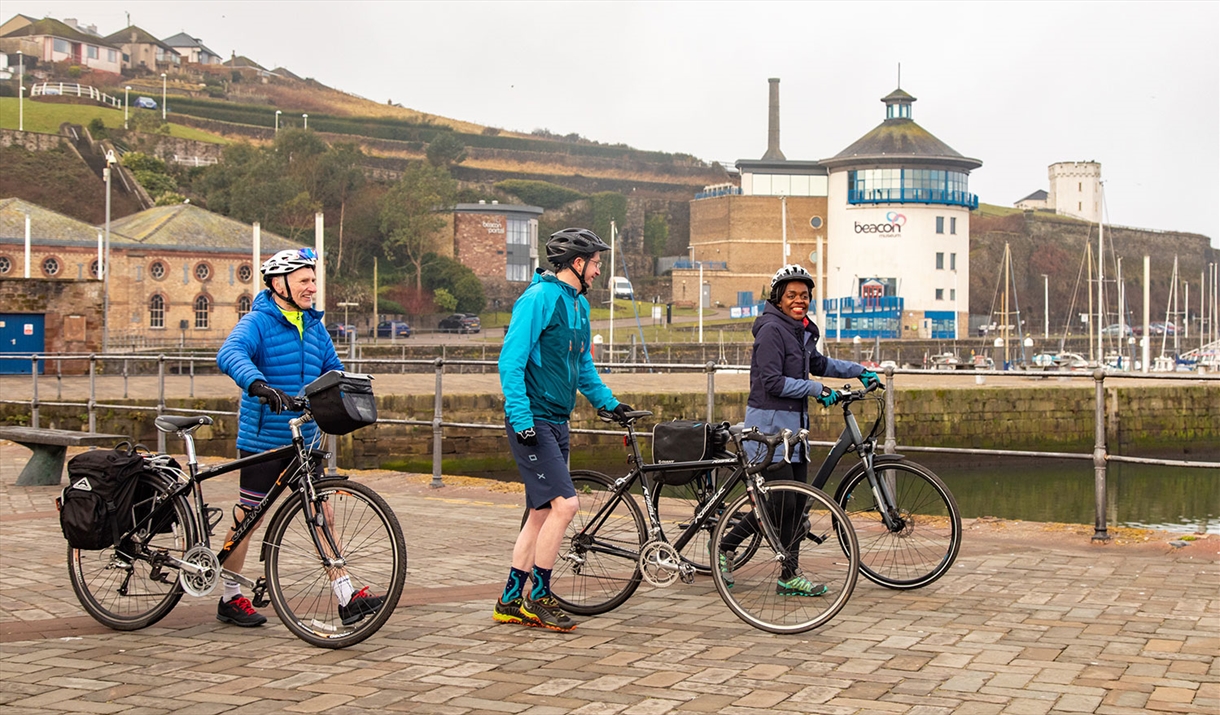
point(50, 447)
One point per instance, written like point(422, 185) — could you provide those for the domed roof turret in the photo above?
point(899, 140)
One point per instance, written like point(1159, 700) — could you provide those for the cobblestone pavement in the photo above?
point(1028, 621)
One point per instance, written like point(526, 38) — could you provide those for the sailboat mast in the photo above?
point(1007, 280)
point(613, 235)
point(1101, 309)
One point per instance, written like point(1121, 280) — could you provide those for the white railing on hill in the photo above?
point(65, 89)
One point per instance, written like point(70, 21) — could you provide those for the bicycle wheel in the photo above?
point(822, 548)
point(598, 565)
point(924, 543)
point(121, 588)
point(374, 558)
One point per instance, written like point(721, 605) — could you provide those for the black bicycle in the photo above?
point(609, 548)
point(905, 518)
point(328, 527)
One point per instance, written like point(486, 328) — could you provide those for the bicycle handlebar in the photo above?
point(786, 437)
point(848, 395)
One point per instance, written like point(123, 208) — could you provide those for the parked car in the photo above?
point(944, 361)
point(394, 328)
point(460, 323)
point(1117, 329)
point(1162, 329)
point(622, 288)
point(340, 331)
point(145, 102)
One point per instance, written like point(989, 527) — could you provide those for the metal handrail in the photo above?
point(1100, 456)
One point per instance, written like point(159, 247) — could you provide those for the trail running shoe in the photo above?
point(726, 560)
point(361, 604)
point(798, 585)
point(547, 614)
point(239, 612)
point(511, 613)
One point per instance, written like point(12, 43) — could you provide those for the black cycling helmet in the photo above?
point(790, 272)
point(571, 243)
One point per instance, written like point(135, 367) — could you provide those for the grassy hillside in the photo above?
point(45, 117)
point(59, 181)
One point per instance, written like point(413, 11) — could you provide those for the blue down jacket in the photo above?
point(265, 346)
point(784, 356)
point(545, 358)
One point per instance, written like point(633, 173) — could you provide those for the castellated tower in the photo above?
point(1075, 189)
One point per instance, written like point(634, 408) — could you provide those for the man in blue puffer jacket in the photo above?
point(275, 350)
point(544, 362)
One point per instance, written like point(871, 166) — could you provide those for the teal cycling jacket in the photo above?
point(545, 358)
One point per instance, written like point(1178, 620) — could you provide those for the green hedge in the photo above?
point(539, 193)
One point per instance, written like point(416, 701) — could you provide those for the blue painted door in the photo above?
point(21, 333)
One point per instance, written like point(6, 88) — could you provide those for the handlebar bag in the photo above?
point(342, 402)
point(95, 507)
point(680, 441)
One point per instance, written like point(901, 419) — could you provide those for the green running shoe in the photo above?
point(726, 561)
point(511, 613)
point(798, 585)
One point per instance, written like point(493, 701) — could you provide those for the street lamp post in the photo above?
point(162, 96)
point(126, 104)
point(20, 91)
point(106, 262)
point(277, 121)
point(306, 118)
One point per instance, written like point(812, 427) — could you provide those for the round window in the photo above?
point(93, 269)
point(203, 271)
point(244, 273)
point(157, 270)
point(50, 266)
point(816, 222)
point(6, 265)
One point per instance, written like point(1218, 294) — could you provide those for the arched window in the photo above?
point(243, 305)
point(202, 308)
point(156, 312)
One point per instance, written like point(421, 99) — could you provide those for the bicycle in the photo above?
point(905, 518)
point(329, 527)
point(608, 549)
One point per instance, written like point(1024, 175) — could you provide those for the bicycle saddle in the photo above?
point(175, 423)
point(628, 417)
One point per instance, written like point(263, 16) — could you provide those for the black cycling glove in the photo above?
point(277, 400)
point(527, 437)
point(621, 411)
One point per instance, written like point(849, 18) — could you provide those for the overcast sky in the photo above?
point(1019, 86)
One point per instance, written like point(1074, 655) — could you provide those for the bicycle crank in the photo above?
point(659, 563)
point(199, 571)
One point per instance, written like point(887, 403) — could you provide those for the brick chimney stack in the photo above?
point(773, 152)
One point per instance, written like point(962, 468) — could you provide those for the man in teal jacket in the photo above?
point(544, 361)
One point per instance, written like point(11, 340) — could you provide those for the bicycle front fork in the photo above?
point(883, 494)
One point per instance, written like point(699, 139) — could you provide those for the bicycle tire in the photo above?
point(374, 554)
point(827, 553)
point(598, 571)
point(115, 585)
point(927, 542)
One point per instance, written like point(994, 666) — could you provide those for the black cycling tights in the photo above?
point(790, 507)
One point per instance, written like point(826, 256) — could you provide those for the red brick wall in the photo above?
point(479, 243)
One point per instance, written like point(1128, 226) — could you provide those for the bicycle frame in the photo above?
point(853, 439)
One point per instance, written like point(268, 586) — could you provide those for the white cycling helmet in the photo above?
point(288, 261)
point(790, 272)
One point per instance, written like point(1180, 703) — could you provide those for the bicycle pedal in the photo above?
point(212, 515)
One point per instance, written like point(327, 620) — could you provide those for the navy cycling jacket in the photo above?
point(265, 346)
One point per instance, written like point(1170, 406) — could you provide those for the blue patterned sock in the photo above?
point(515, 585)
point(542, 583)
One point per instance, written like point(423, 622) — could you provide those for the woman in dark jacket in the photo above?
point(785, 355)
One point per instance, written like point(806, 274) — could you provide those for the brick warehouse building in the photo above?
point(498, 242)
point(884, 226)
point(180, 274)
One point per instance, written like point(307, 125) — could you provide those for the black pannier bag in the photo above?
point(342, 402)
point(95, 507)
point(681, 441)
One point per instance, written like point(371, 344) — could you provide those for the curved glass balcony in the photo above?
point(913, 196)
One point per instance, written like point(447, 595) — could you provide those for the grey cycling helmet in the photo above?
point(790, 272)
point(571, 243)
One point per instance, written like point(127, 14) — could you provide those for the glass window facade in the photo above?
point(788, 185)
point(928, 186)
point(517, 272)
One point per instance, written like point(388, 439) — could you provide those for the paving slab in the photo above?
point(1033, 618)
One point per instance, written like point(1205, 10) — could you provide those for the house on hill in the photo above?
point(56, 41)
point(192, 49)
point(1033, 202)
point(178, 273)
point(142, 50)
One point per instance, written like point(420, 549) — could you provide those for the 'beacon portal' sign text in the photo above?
point(894, 222)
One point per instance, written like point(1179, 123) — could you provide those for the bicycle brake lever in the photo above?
point(787, 454)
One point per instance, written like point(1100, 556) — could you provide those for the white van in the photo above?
point(621, 288)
